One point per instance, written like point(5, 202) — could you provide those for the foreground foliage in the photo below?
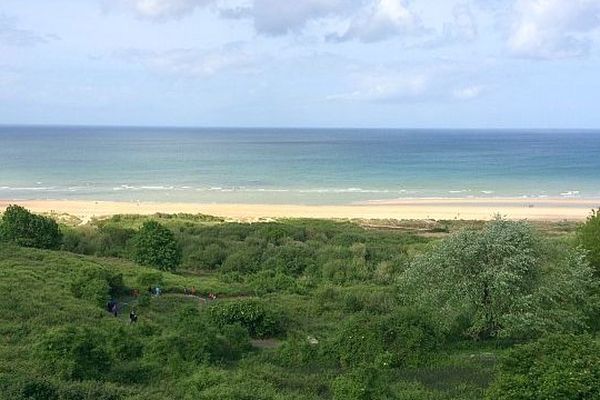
point(303, 310)
point(553, 368)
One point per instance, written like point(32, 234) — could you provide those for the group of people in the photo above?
point(113, 307)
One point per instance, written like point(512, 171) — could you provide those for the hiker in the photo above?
point(185, 291)
point(132, 317)
point(115, 309)
point(150, 290)
point(109, 305)
point(193, 291)
point(157, 291)
point(135, 293)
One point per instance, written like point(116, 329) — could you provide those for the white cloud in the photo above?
point(468, 93)
point(464, 25)
point(191, 63)
point(381, 20)
point(387, 86)
point(364, 20)
point(277, 17)
point(553, 29)
point(166, 9)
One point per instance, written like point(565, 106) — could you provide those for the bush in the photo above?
point(155, 246)
point(253, 315)
point(97, 285)
point(367, 383)
point(39, 390)
point(195, 339)
point(403, 338)
point(147, 279)
point(588, 236)
point(75, 352)
point(23, 228)
point(553, 368)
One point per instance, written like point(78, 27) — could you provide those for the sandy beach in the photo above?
point(466, 209)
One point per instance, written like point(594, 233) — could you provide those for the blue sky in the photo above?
point(319, 63)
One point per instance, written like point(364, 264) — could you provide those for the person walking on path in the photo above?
point(132, 317)
point(115, 309)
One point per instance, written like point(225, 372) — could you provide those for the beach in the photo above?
point(547, 209)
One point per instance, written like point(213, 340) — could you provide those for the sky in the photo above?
point(301, 63)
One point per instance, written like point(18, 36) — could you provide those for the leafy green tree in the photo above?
point(23, 228)
point(477, 274)
point(503, 280)
point(588, 236)
point(155, 246)
point(553, 368)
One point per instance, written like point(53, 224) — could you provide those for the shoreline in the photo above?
point(545, 209)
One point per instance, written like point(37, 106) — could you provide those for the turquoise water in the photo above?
point(303, 166)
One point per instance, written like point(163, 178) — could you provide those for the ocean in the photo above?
point(295, 166)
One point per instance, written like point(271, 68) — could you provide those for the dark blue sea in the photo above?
point(300, 166)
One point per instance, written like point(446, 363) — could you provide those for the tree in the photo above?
point(553, 368)
point(588, 236)
point(502, 281)
point(477, 275)
point(23, 228)
point(155, 246)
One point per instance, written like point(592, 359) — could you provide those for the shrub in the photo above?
point(97, 285)
point(553, 368)
point(147, 279)
point(403, 338)
point(155, 246)
point(75, 352)
point(243, 261)
point(195, 339)
point(366, 383)
point(253, 315)
point(588, 236)
point(114, 241)
point(39, 390)
point(269, 281)
point(29, 230)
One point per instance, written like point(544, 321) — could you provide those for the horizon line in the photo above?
point(285, 127)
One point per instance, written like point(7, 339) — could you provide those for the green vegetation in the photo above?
point(155, 245)
point(553, 368)
point(588, 236)
point(23, 228)
point(304, 309)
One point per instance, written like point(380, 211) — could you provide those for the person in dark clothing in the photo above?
point(132, 317)
point(115, 309)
